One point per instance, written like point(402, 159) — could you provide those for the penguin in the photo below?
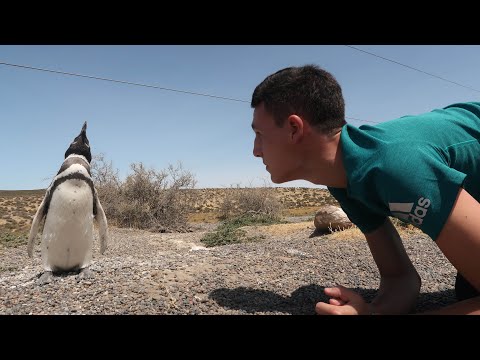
point(69, 207)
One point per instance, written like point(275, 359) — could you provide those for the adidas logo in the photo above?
point(404, 211)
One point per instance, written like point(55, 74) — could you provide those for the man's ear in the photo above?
point(296, 126)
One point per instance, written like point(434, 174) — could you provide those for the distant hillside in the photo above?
point(210, 199)
point(13, 193)
point(291, 197)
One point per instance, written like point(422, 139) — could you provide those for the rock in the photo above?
point(331, 217)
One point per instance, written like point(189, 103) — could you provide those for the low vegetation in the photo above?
point(10, 239)
point(230, 232)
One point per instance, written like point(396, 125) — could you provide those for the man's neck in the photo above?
point(324, 161)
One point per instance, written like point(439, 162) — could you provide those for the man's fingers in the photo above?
point(332, 292)
point(341, 293)
point(326, 309)
point(336, 302)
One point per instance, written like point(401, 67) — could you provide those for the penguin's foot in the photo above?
point(45, 278)
point(85, 273)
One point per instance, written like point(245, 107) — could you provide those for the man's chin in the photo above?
point(282, 179)
point(277, 180)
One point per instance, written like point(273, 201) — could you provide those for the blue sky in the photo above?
point(41, 112)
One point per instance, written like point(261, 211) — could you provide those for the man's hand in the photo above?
point(343, 301)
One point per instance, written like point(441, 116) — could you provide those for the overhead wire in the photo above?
point(223, 97)
point(411, 67)
point(138, 84)
point(120, 81)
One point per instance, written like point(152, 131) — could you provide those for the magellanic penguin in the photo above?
point(69, 207)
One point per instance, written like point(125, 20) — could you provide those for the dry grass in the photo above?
point(215, 216)
point(354, 233)
point(17, 209)
point(204, 217)
point(279, 229)
point(349, 233)
point(301, 211)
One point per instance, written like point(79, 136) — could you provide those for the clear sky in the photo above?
point(41, 112)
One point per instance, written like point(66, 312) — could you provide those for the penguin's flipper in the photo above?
point(35, 225)
point(102, 224)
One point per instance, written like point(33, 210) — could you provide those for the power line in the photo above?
point(139, 84)
point(410, 67)
point(122, 82)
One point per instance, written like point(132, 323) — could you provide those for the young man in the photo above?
point(422, 169)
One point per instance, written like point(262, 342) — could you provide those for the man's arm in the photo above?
point(459, 241)
point(400, 282)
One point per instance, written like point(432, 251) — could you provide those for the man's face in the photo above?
point(272, 144)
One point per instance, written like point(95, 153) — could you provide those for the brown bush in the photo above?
point(108, 185)
point(261, 201)
point(147, 198)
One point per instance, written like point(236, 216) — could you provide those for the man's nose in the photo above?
point(257, 152)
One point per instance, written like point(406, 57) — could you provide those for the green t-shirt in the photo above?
point(411, 168)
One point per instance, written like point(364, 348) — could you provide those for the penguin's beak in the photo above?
point(83, 133)
point(84, 128)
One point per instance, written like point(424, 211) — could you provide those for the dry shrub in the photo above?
point(147, 199)
point(108, 185)
point(258, 201)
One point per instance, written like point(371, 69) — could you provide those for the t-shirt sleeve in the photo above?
point(364, 218)
point(428, 184)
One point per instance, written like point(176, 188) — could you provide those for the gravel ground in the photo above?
point(146, 273)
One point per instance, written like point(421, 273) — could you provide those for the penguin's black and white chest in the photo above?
point(72, 202)
point(68, 231)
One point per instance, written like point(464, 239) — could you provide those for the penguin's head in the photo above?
point(80, 145)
